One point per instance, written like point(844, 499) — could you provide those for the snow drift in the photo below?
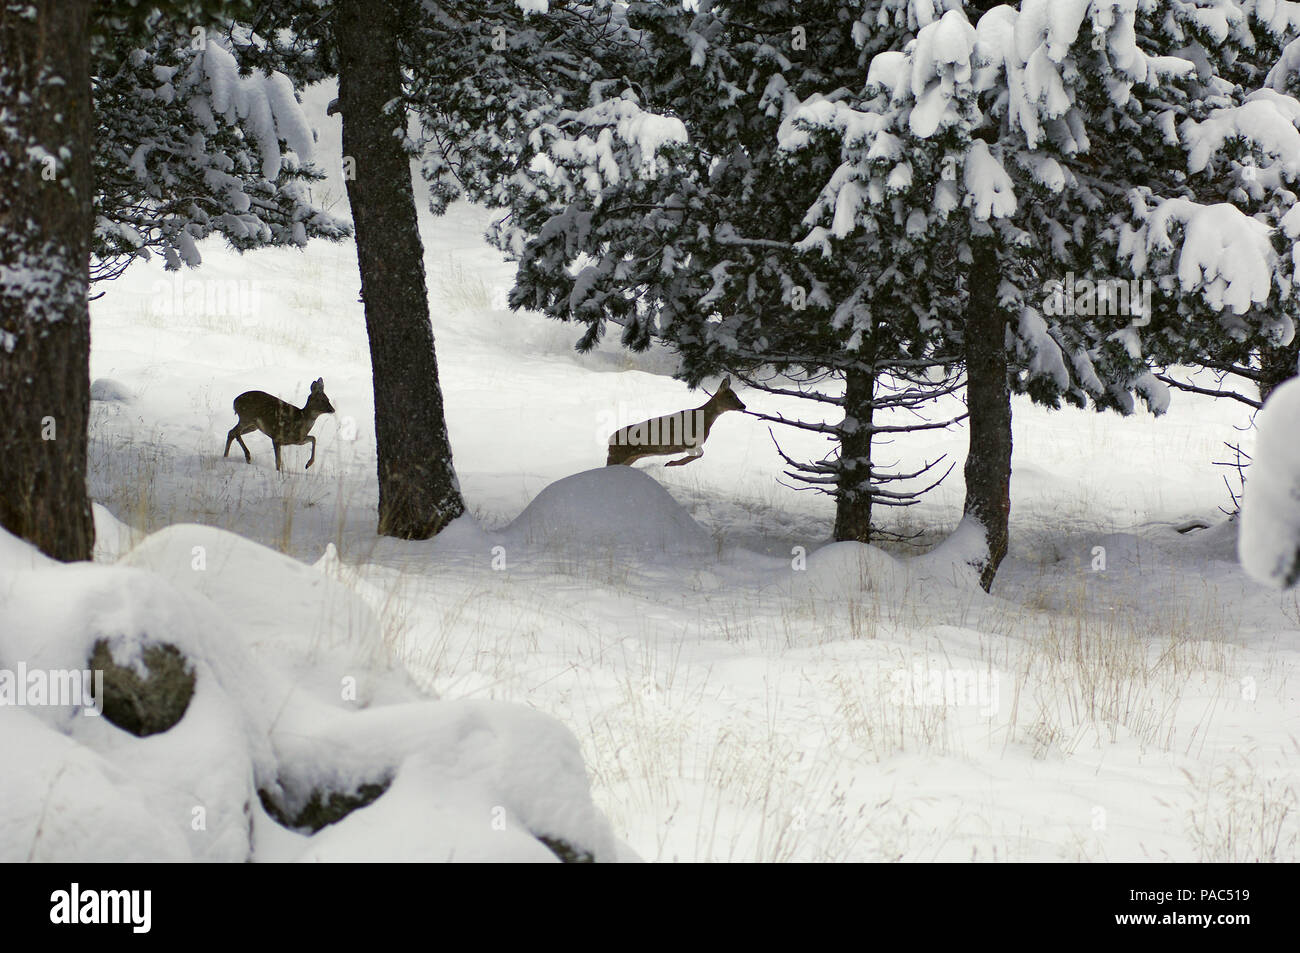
point(612, 509)
point(286, 721)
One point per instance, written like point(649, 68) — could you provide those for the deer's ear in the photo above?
point(318, 384)
point(726, 384)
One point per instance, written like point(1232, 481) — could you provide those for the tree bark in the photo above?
point(988, 398)
point(853, 494)
point(46, 220)
point(418, 490)
point(1277, 366)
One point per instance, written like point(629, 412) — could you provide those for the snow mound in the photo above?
point(843, 569)
point(107, 389)
point(442, 780)
point(477, 767)
point(1270, 514)
point(77, 788)
point(847, 567)
point(112, 536)
point(618, 509)
point(954, 561)
point(316, 630)
point(19, 554)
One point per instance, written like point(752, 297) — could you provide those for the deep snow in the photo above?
point(739, 690)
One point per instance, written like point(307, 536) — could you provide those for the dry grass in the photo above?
point(460, 289)
point(1244, 814)
point(665, 741)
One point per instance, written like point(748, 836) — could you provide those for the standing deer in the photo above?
point(284, 423)
point(682, 432)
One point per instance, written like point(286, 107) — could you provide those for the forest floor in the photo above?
point(1125, 692)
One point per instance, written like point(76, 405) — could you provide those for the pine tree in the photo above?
point(187, 146)
point(46, 193)
point(663, 205)
point(1057, 121)
point(369, 48)
point(418, 490)
point(1240, 143)
point(165, 144)
point(981, 168)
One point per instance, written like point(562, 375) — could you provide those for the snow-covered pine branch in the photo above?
point(188, 147)
point(703, 251)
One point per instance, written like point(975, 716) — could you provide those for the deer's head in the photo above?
point(317, 401)
point(725, 399)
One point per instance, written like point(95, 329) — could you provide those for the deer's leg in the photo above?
point(691, 457)
point(276, 445)
point(236, 434)
point(312, 440)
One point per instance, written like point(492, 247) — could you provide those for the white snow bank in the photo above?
point(471, 780)
point(17, 554)
point(313, 629)
point(955, 560)
point(841, 569)
point(1270, 514)
point(75, 784)
point(112, 536)
point(461, 540)
point(60, 800)
point(484, 778)
point(611, 509)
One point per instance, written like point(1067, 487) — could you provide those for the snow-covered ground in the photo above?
point(740, 690)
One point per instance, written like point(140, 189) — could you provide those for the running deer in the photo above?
point(682, 432)
point(285, 424)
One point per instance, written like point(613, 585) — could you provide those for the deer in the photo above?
point(284, 423)
point(682, 432)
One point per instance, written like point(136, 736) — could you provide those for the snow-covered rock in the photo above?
point(264, 637)
point(317, 631)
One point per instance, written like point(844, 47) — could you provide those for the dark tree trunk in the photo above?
point(45, 226)
point(853, 494)
point(1277, 366)
point(988, 398)
point(418, 491)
